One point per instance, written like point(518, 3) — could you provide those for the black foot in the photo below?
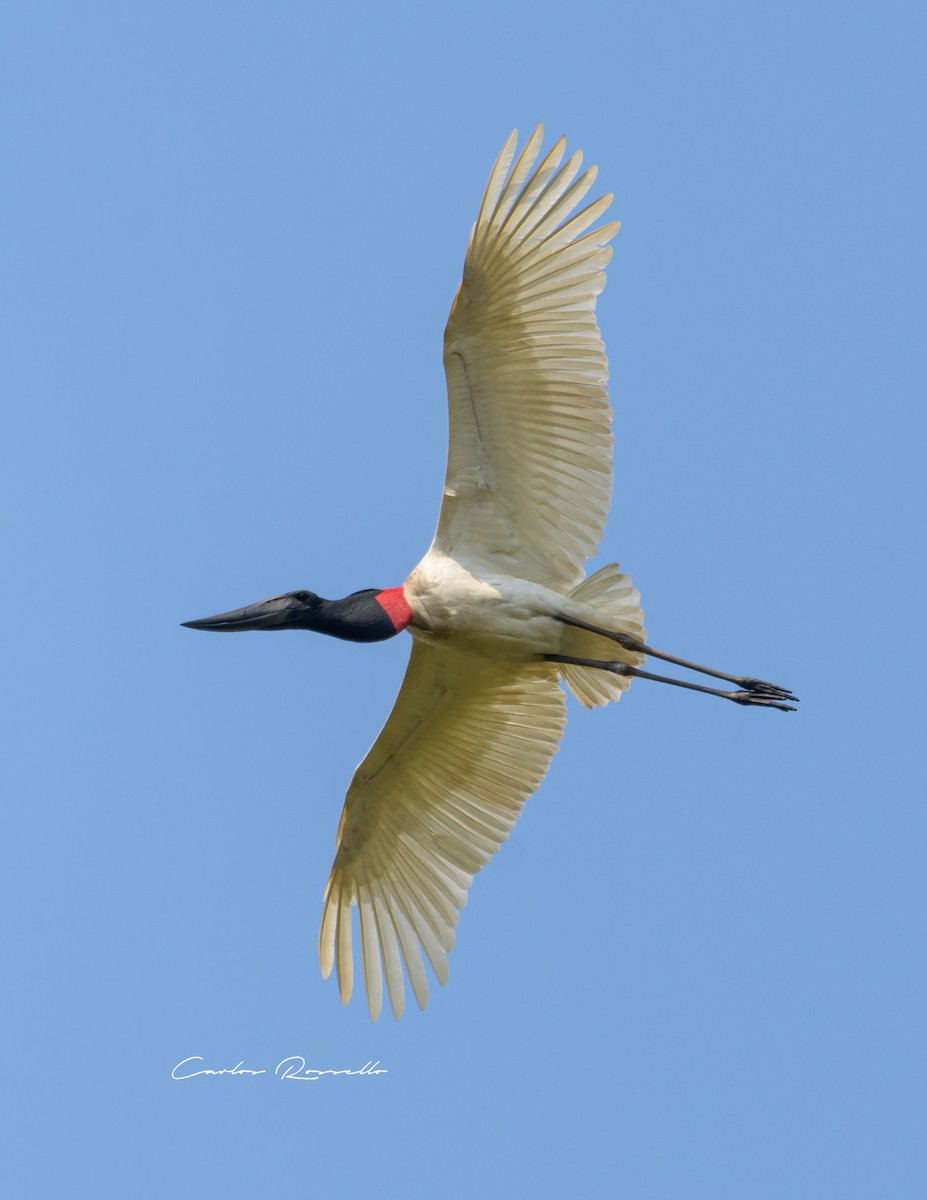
point(763, 700)
point(765, 689)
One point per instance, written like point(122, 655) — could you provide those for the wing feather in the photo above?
point(496, 180)
point(467, 742)
point(533, 189)
point(528, 481)
point(520, 173)
point(345, 952)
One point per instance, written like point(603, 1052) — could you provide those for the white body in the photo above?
point(503, 617)
point(492, 614)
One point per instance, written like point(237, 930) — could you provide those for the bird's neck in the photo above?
point(372, 615)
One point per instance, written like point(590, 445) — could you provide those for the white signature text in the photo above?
point(288, 1068)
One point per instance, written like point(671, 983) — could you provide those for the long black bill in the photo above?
point(280, 612)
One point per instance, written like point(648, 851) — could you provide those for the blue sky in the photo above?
point(232, 237)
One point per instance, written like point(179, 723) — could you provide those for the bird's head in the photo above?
point(371, 615)
point(294, 610)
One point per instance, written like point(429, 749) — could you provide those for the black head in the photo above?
point(368, 616)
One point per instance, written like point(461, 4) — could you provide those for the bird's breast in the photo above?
point(494, 615)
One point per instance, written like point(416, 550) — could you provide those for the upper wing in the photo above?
point(529, 478)
point(467, 742)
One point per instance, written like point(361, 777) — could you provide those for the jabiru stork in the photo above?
point(498, 609)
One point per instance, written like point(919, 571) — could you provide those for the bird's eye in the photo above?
point(302, 597)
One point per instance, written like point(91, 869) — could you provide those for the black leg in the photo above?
point(750, 698)
point(631, 643)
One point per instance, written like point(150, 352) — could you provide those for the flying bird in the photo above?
point(498, 609)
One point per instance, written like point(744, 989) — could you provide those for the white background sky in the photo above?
point(231, 237)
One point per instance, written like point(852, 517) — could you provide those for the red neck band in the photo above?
point(393, 603)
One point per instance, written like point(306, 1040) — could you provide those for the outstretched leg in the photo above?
point(754, 698)
point(628, 642)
